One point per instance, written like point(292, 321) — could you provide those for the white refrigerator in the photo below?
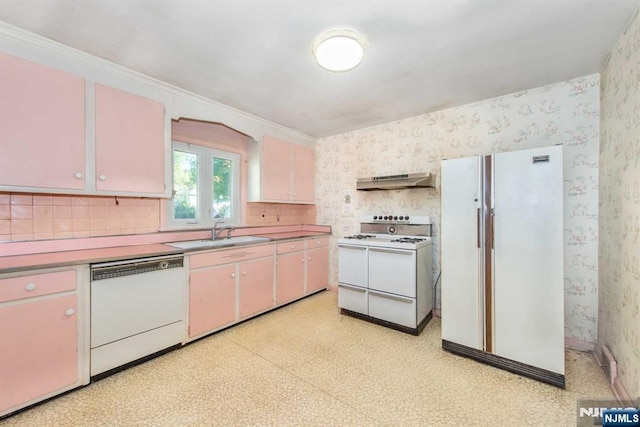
point(502, 261)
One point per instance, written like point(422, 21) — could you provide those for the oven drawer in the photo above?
point(352, 265)
point(393, 271)
point(393, 308)
point(352, 298)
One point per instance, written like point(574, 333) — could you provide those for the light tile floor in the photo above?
point(306, 364)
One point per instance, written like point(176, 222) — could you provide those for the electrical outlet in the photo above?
point(347, 198)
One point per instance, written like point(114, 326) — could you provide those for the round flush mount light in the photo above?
point(339, 49)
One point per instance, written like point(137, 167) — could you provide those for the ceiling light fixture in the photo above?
point(338, 49)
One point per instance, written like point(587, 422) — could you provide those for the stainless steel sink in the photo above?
point(219, 243)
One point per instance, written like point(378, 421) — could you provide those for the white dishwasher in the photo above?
point(137, 310)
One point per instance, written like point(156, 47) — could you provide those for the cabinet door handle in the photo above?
point(69, 312)
point(78, 175)
point(309, 258)
point(244, 273)
point(103, 177)
point(302, 260)
point(30, 286)
point(233, 274)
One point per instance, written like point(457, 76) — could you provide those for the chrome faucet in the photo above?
point(215, 231)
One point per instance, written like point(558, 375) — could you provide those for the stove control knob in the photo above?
point(375, 217)
point(395, 218)
point(406, 217)
point(385, 217)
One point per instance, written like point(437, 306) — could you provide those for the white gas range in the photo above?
point(384, 273)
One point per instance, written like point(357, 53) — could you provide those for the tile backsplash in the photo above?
point(280, 214)
point(44, 216)
point(26, 217)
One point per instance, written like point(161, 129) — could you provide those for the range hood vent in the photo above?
point(397, 182)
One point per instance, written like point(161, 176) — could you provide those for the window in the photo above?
point(206, 186)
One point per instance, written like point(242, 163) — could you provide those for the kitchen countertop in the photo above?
point(16, 263)
point(293, 235)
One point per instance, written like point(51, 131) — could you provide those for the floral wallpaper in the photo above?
point(619, 253)
point(562, 113)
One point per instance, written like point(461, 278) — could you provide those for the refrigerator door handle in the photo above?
point(493, 230)
point(478, 227)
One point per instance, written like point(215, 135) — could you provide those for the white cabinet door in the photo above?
point(352, 265)
point(528, 257)
point(462, 299)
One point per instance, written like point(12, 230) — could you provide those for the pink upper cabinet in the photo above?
point(42, 131)
point(303, 173)
point(130, 146)
point(276, 169)
point(287, 172)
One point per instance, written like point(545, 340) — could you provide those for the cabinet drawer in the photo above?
point(292, 246)
point(229, 255)
point(318, 242)
point(37, 284)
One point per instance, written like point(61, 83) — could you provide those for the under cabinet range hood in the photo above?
point(397, 182)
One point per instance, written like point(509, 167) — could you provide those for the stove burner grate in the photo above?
point(409, 240)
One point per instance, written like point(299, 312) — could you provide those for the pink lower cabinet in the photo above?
point(290, 267)
point(39, 349)
point(317, 265)
point(228, 285)
point(290, 276)
point(256, 286)
point(212, 298)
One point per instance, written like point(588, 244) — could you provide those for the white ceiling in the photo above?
point(255, 55)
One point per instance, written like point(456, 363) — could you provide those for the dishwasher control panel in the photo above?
point(127, 268)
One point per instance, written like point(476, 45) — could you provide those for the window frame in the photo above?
point(205, 188)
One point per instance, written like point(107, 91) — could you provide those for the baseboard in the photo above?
point(607, 361)
point(577, 344)
point(621, 394)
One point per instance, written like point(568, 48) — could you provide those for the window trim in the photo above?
point(205, 194)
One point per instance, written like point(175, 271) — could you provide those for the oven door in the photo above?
point(352, 265)
point(393, 271)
